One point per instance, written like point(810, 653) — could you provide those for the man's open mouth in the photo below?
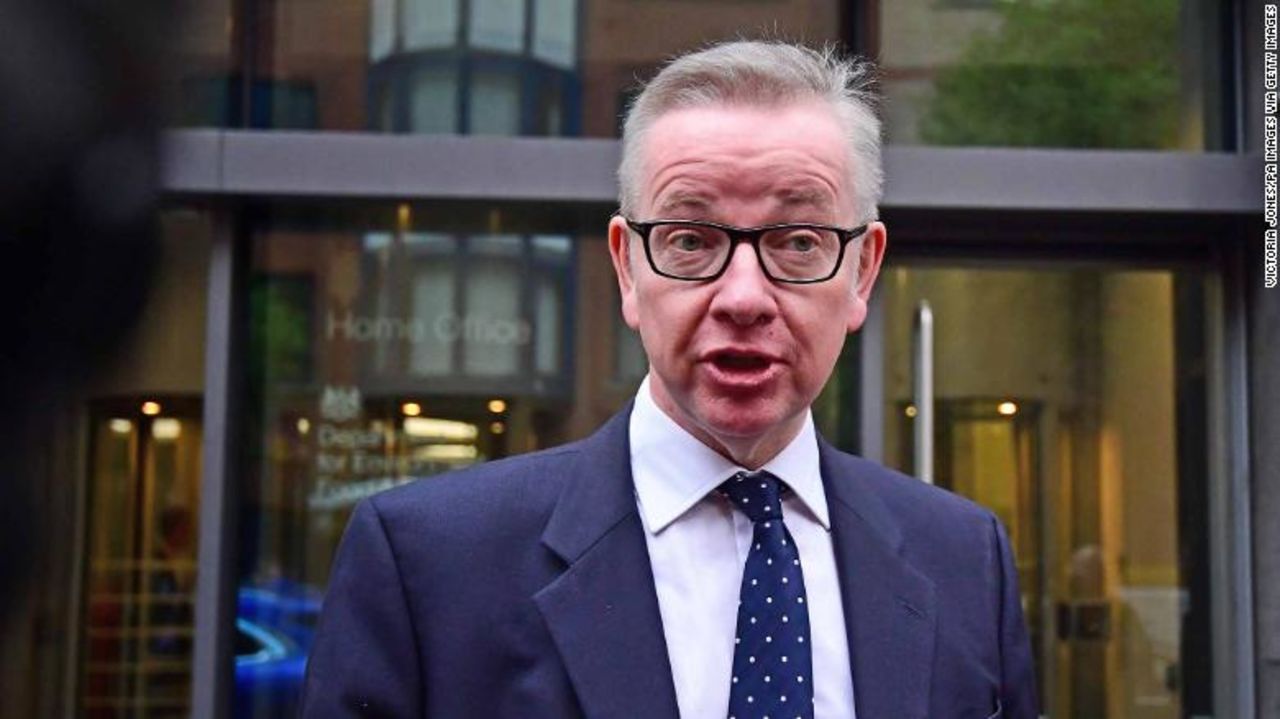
point(740, 362)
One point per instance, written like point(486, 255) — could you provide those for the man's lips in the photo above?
point(740, 357)
point(741, 363)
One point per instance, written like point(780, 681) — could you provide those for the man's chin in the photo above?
point(740, 428)
point(723, 420)
point(737, 425)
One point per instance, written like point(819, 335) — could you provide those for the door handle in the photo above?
point(922, 389)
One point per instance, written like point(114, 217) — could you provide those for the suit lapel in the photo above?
point(889, 607)
point(602, 612)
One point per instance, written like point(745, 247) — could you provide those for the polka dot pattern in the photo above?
point(772, 662)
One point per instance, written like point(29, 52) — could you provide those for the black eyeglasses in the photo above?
point(799, 253)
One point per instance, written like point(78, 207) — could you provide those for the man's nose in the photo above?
point(744, 295)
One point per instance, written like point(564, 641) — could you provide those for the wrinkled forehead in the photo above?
point(692, 201)
point(792, 156)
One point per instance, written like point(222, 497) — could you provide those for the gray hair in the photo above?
point(763, 73)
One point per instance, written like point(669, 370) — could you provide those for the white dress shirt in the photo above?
point(698, 546)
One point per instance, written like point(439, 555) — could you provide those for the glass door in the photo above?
point(144, 484)
point(1071, 403)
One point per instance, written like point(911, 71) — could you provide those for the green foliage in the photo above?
point(1064, 73)
point(280, 329)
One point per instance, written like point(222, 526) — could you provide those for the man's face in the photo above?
point(737, 361)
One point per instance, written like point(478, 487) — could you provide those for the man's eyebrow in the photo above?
point(682, 200)
point(806, 197)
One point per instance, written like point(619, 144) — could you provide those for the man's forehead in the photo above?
point(684, 200)
point(789, 156)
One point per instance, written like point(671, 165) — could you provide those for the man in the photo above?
point(704, 554)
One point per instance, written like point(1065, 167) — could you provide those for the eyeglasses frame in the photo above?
point(750, 235)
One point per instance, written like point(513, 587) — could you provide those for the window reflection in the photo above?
point(381, 355)
point(143, 445)
point(1074, 73)
point(496, 25)
point(493, 67)
point(1067, 402)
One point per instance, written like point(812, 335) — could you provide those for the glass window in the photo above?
point(555, 32)
point(1071, 402)
point(430, 24)
point(434, 290)
point(1069, 73)
point(549, 320)
point(398, 342)
point(492, 331)
point(389, 345)
point(207, 91)
point(434, 102)
point(495, 104)
point(565, 62)
point(382, 28)
point(143, 461)
point(497, 25)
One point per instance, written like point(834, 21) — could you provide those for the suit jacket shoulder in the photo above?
point(949, 563)
point(474, 503)
point(915, 515)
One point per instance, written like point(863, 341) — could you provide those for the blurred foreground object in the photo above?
point(78, 191)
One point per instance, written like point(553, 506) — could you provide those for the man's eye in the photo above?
point(800, 242)
point(688, 242)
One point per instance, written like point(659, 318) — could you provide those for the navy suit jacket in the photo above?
point(522, 588)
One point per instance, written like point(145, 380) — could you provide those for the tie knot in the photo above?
point(757, 494)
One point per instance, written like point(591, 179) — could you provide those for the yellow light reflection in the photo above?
point(411, 409)
point(911, 410)
point(448, 451)
point(120, 426)
point(166, 429)
point(497, 428)
point(304, 425)
point(497, 406)
point(404, 216)
point(1007, 409)
point(428, 427)
point(151, 409)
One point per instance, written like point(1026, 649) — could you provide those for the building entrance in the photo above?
point(1071, 403)
point(144, 487)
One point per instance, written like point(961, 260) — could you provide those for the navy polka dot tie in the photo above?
point(772, 661)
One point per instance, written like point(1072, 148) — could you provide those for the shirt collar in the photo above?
point(673, 470)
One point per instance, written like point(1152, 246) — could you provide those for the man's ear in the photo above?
point(620, 252)
point(870, 254)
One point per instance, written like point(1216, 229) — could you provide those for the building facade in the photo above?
point(383, 257)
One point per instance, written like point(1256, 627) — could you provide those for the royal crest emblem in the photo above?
point(340, 404)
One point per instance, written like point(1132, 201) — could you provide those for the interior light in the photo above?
point(304, 425)
point(911, 410)
point(166, 429)
point(497, 428)
point(448, 451)
point(120, 426)
point(404, 216)
point(431, 428)
point(411, 409)
point(497, 406)
point(1007, 409)
point(151, 409)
